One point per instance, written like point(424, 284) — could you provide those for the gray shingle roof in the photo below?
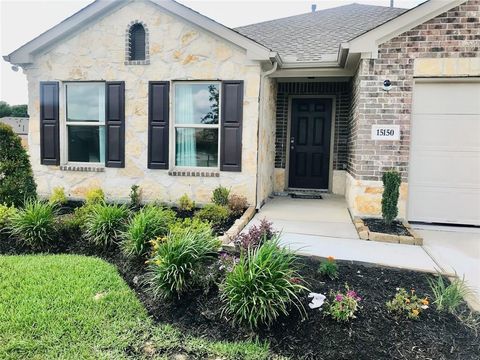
point(307, 36)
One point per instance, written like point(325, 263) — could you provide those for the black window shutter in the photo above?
point(158, 114)
point(49, 123)
point(231, 123)
point(115, 124)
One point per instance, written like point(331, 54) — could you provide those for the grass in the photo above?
point(75, 307)
point(448, 296)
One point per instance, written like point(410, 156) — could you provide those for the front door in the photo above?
point(311, 124)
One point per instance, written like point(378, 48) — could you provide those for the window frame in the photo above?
point(64, 123)
point(174, 125)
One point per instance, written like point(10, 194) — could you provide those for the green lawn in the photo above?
point(75, 307)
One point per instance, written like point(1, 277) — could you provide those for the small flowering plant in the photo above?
point(407, 304)
point(343, 305)
point(329, 268)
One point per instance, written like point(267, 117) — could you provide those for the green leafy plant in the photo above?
point(135, 196)
point(6, 214)
point(213, 213)
point(186, 204)
point(448, 297)
point(391, 191)
point(190, 223)
point(34, 224)
point(343, 305)
point(94, 196)
point(178, 259)
point(147, 224)
point(220, 196)
point(16, 176)
point(329, 268)
point(69, 226)
point(58, 196)
point(406, 304)
point(263, 285)
point(104, 223)
point(237, 204)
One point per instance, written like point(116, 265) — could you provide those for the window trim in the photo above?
point(64, 125)
point(173, 126)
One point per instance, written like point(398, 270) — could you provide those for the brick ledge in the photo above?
point(82, 168)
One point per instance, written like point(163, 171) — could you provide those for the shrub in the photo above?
point(178, 259)
point(6, 214)
point(215, 214)
point(391, 185)
point(220, 196)
point(34, 224)
point(186, 204)
point(147, 224)
point(135, 197)
point(329, 268)
point(58, 196)
point(16, 176)
point(104, 223)
point(69, 226)
point(448, 297)
point(94, 196)
point(256, 235)
point(406, 304)
point(190, 223)
point(262, 286)
point(343, 306)
point(237, 204)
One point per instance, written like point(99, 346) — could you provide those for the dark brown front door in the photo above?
point(310, 143)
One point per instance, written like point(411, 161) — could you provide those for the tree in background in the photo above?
point(13, 110)
point(16, 176)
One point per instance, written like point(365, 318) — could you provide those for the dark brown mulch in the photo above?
point(378, 225)
point(374, 334)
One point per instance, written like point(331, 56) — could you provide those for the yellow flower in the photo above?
point(158, 261)
point(425, 301)
point(415, 312)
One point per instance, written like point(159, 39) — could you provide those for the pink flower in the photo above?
point(351, 293)
point(339, 297)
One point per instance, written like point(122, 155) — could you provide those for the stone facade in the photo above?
point(446, 46)
point(177, 51)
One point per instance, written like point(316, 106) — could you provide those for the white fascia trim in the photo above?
point(255, 51)
point(312, 73)
point(24, 54)
point(368, 42)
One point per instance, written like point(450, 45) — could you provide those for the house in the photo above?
point(155, 94)
point(19, 126)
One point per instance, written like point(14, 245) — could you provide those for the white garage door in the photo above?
point(444, 172)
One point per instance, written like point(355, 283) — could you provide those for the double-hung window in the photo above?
point(85, 122)
point(196, 124)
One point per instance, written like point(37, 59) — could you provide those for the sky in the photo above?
point(20, 22)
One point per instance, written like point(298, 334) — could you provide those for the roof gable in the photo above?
point(101, 8)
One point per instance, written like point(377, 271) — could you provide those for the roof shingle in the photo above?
point(306, 37)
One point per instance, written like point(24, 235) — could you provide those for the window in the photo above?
point(137, 42)
point(85, 122)
point(196, 124)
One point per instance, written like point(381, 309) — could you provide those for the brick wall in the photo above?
point(454, 34)
point(341, 90)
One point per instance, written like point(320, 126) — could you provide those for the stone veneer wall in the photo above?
point(178, 51)
point(445, 43)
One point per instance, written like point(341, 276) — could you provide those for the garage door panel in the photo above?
point(447, 98)
point(444, 167)
point(445, 132)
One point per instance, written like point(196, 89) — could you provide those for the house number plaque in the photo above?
point(386, 132)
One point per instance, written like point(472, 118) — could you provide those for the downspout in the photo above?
point(261, 107)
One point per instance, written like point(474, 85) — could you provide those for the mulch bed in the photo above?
point(379, 226)
point(374, 334)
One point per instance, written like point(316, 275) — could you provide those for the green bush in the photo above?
point(391, 191)
point(329, 268)
point(262, 286)
point(16, 176)
point(147, 224)
point(104, 223)
point(69, 226)
point(58, 196)
point(194, 224)
point(94, 196)
point(135, 197)
point(6, 214)
point(407, 304)
point(448, 297)
point(178, 260)
point(214, 214)
point(220, 196)
point(185, 203)
point(34, 224)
